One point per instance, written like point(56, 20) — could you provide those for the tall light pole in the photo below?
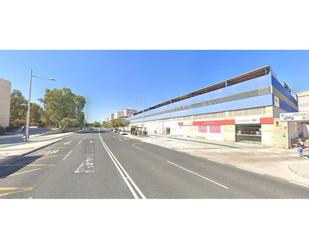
point(31, 75)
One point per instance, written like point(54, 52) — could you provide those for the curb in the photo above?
point(297, 173)
point(31, 151)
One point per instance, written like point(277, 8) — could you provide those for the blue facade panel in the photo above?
point(282, 90)
point(259, 101)
point(253, 102)
point(252, 84)
point(284, 106)
point(248, 85)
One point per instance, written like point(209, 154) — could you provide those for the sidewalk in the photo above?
point(274, 162)
point(10, 151)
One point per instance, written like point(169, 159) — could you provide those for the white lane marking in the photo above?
point(51, 152)
point(123, 173)
point(66, 143)
point(24, 172)
point(194, 173)
point(67, 155)
point(77, 170)
point(81, 140)
point(135, 146)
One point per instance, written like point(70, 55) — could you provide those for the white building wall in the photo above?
point(303, 101)
point(5, 102)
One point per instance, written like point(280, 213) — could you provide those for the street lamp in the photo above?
point(31, 75)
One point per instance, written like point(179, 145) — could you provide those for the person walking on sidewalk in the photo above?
point(299, 148)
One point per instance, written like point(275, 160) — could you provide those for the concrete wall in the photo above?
point(5, 101)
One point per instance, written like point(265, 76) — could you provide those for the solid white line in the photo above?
point(194, 173)
point(123, 173)
point(67, 155)
point(77, 170)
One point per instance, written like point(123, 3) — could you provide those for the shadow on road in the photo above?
point(10, 167)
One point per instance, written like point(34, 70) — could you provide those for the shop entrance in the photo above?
point(248, 133)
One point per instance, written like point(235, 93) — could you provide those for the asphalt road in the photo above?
point(109, 165)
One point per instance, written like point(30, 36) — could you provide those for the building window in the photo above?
point(248, 133)
point(215, 129)
point(202, 129)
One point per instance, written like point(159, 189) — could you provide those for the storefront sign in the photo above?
point(294, 116)
point(247, 120)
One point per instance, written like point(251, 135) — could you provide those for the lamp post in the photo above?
point(31, 75)
point(143, 106)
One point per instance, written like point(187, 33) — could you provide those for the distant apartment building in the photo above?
point(128, 112)
point(125, 113)
point(118, 115)
point(111, 117)
point(5, 102)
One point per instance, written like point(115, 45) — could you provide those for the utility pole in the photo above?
point(31, 75)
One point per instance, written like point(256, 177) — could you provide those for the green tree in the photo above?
point(69, 122)
point(63, 103)
point(106, 124)
point(96, 124)
point(119, 122)
point(36, 117)
point(18, 111)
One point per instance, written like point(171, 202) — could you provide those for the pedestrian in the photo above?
point(299, 149)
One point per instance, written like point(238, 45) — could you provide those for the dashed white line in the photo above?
point(67, 155)
point(80, 141)
point(194, 173)
point(136, 192)
point(68, 142)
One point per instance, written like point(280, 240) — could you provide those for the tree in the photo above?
point(18, 111)
point(69, 122)
point(96, 124)
point(36, 117)
point(63, 103)
point(119, 122)
point(106, 124)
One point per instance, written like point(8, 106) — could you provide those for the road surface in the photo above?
point(109, 165)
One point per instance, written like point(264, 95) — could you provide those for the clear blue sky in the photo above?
point(112, 80)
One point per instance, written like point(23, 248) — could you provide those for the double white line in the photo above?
point(136, 192)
